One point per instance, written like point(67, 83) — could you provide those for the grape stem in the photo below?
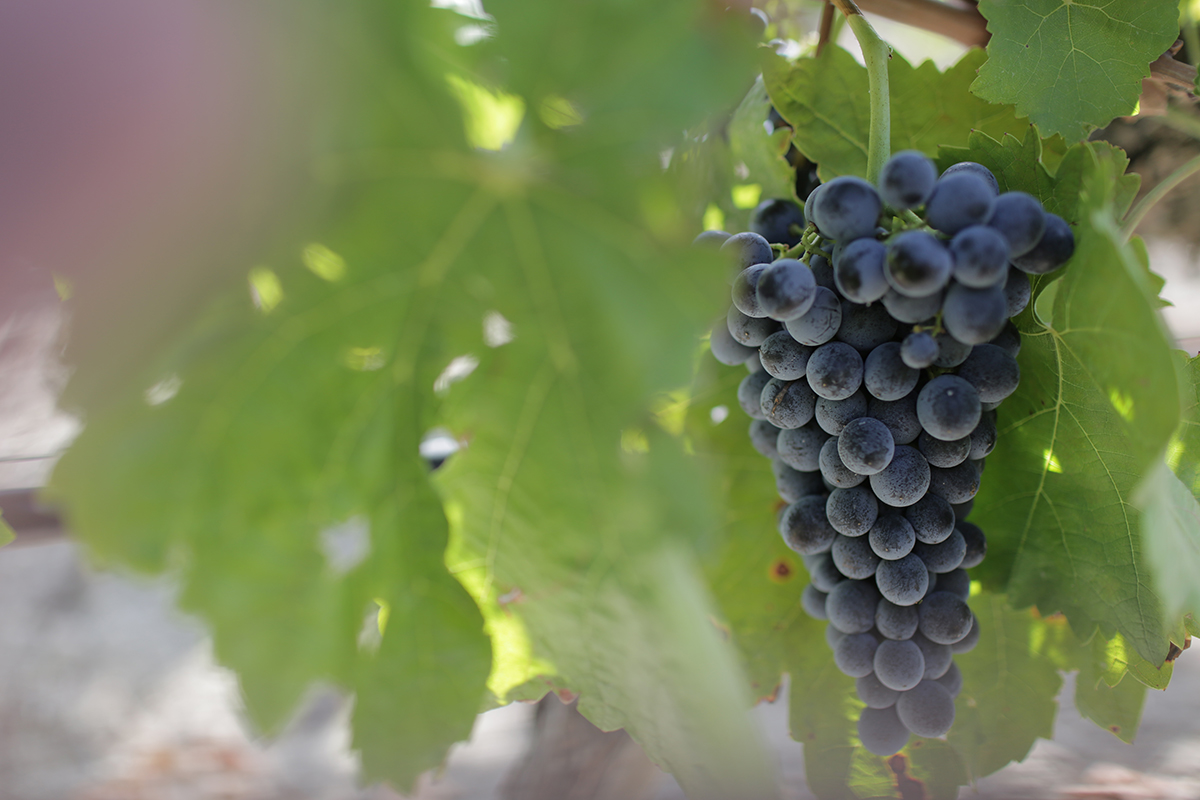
point(876, 54)
point(1134, 218)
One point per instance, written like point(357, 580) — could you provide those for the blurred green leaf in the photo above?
point(274, 433)
point(1171, 520)
point(1072, 66)
point(826, 100)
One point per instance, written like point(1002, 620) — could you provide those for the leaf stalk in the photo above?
point(876, 54)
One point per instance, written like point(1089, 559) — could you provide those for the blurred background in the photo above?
point(142, 132)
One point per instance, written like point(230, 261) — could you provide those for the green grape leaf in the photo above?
point(1097, 403)
point(529, 301)
point(1115, 707)
point(761, 153)
point(1009, 687)
point(1072, 66)
point(827, 102)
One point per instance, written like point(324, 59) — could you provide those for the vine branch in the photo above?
point(876, 54)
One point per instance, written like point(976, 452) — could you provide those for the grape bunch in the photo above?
point(879, 342)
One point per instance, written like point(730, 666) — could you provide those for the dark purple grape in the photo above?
point(918, 265)
point(907, 180)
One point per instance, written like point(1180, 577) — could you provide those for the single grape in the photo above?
point(820, 323)
point(833, 635)
point(957, 582)
point(919, 350)
point(932, 519)
point(811, 212)
point(1008, 340)
point(885, 375)
point(956, 484)
point(927, 710)
point(945, 556)
point(812, 600)
point(898, 665)
point(907, 180)
point(896, 622)
point(746, 249)
point(835, 370)
point(726, 349)
point(710, 240)
point(903, 581)
point(851, 606)
point(993, 372)
point(1019, 218)
point(763, 435)
point(822, 271)
point(959, 200)
point(852, 512)
point(749, 393)
point(833, 470)
point(904, 481)
point(951, 352)
point(912, 310)
point(962, 510)
point(938, 657)
point(944, 454)
point(804, 527)
point(848, 208)
point(833, 415)
point(794, 485)
point(786, 289)
point(854, 655)
point(945, 619)
point(952, 680)
point(874, 693)
point(968, 642)
point(891, 537)
point(858, 271)
point(865, 327)
point(854, 558)
point(1017, 291)
point(980, 256)
point(750, 331)
point(800, 448)
point(976, 169)
point(1055, 248)
point(881, 731)
point(948, 408)
point(788, 404)
point(976, 544)
point(866, 446)
point(900, 416)
point(933, 579)
point(918, 264)
point(983, 438)
point(745, 291)
point(823, 572)
point(783, 357)
point(779, 221)
point(974, 316)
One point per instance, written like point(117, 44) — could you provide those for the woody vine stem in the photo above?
point(876, 54)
